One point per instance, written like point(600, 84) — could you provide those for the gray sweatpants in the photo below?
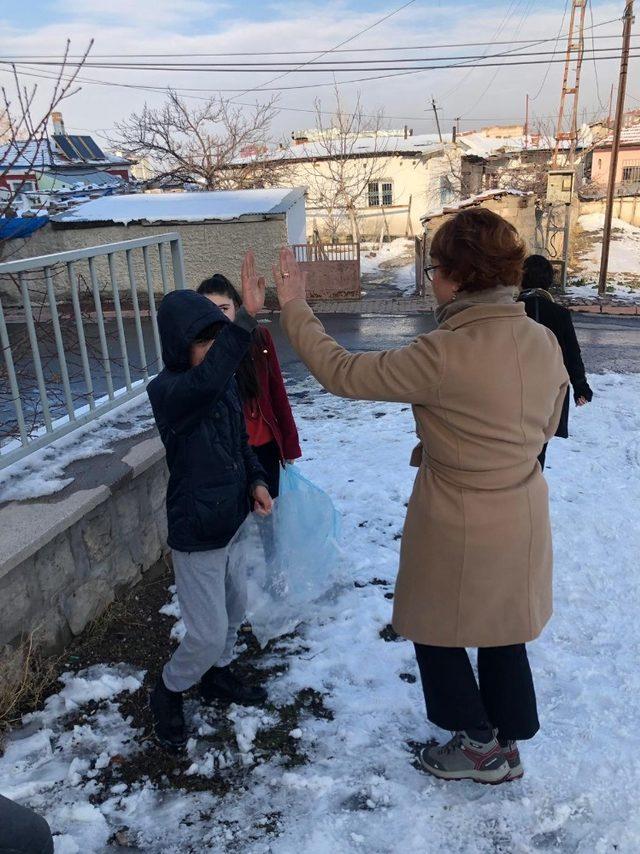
point(22, 831)
point(213, 604)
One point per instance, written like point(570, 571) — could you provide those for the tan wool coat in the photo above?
point(487, 390)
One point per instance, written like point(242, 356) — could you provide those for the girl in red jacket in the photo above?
point(270, 425)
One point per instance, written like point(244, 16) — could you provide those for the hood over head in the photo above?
point(182, 315)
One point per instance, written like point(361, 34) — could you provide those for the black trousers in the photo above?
point(22, 831)
point(543, 455)
point(269, 458)
point(505, 697)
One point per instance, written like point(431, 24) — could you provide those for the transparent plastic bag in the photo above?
point(287, 557)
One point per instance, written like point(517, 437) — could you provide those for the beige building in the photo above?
point(628, 167)
point(377, 184)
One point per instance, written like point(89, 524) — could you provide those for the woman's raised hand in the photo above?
point(289, 278)
point(253, 285)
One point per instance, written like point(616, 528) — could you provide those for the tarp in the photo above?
point(20, 227)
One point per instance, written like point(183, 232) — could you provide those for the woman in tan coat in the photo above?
point(487, 389)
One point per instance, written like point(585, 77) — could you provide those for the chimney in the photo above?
point(454, 134)
point(58, 124)
point(410, 131)
point(406, 131)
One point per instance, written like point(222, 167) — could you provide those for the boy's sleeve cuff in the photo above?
point(244, 320)
point(258, 483)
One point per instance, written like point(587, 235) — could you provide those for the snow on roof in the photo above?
point(45, 155)
point(472, 200)
point(629, 136)
point(365, 144)
point(482, 145)
point(221, 205)
point(27, 155)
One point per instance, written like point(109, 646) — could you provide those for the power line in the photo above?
point(432, 46)
point(256, 68)
point(397, 73)
point(546, 74)
point(341, 44)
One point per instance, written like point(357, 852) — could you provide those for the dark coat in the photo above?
point(557, 318)
point(199, 416)
point(273, 401)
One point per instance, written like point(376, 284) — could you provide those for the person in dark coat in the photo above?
point(270, 424)
point(214, 479)
point(540, 306)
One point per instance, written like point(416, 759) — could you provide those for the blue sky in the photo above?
point(481, 97)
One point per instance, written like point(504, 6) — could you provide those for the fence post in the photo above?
point(177, 259)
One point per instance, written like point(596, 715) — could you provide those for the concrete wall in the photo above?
point(626, 208)
point(64, 561)
point(208, 248)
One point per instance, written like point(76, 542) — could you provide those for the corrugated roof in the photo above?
point(222, 205)
point(628, 136)
point(483, 145)
point(362, 145)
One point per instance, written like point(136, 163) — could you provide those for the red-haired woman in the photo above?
point(487, 390)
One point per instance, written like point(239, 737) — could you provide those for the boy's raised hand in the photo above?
point(253, 285)
point(263, 503)
point(289, 278)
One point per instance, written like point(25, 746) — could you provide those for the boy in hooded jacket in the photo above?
point(214, 478)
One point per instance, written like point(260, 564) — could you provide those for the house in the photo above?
point(216, 229)
point(60, 162)
point(518, 160)
point(628, 169)
point(370, 185)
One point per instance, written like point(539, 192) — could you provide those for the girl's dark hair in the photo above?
point(246, 375)
point(538, 273)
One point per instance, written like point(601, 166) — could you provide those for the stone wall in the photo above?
point(518, 210)
point(65, 560)
point(207, 247)
point(626, 208)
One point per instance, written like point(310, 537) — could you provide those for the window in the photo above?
point(380, 194)
point(22, 186)
point(631, 174)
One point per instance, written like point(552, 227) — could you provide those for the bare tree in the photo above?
point(346, 166)
point(216, 144)
point(24, 129)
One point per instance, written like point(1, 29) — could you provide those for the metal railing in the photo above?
point(68, 343)
point(326, 251)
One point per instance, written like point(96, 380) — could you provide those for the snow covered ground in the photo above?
point(392, 265)
point(360, 791)
point(624, 259)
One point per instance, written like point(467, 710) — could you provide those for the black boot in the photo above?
point(168, 716)
point(219, 683)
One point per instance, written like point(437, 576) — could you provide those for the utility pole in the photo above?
point(526, 123)
point(435, 113)
point(610, 106)
point(571, 85)
point(615, 145)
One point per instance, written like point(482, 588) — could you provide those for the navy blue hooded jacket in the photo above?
point(201, 423)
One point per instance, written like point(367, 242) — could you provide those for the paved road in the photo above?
point(608, 343)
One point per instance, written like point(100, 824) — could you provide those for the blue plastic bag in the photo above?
point(288, 558)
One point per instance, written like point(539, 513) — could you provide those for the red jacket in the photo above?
point(273, 401)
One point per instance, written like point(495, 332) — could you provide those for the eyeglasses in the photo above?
point(428, 271)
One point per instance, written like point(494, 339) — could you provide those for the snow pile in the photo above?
point(393, 264)
point(624, 256)
point(360, 791)
point(43, 472)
